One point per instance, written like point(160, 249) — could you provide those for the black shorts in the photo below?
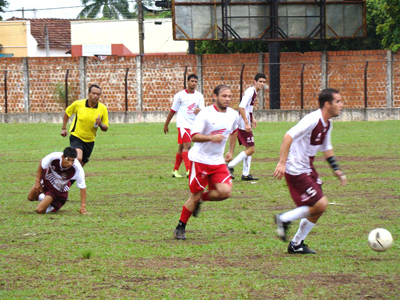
point(86, 148)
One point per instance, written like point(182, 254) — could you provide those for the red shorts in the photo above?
point(245, 138)
point(305, 189)
point(59, 198)
point(202, 175)
point(184, 135)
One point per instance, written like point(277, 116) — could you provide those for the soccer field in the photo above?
point(125, 249)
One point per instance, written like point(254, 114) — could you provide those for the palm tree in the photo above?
point(111, 9)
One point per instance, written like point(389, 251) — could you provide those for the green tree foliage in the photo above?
point(111, 9)
point(389, 28)
point(376, 17)
point(3, 4)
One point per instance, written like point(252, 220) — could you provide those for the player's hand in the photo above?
point(83, 211)
point(165, 129)
point(342, 177)
point(254, 123)
point(64, 132)
point(279, 171)
point(248, 128)
point(98, 120)
point(218, 138)
point(228, 157)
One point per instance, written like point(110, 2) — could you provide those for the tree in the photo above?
point(111, 9)
point(390, 27)
point(3, 4)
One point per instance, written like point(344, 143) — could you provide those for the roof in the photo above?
point(59, 31)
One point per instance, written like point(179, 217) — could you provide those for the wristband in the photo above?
point(332, 161)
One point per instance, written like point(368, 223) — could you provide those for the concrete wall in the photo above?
point(14, 37)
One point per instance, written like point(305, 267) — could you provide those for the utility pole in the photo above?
point(22, 13)
point(47, 43)
point(141, 30)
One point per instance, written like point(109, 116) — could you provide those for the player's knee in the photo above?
point(225, 194)
point(40, 211)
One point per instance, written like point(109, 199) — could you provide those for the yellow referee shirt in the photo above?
point(85, 117)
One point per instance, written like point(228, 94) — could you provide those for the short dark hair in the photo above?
point(326, 95)
point(221, 87)
point(260, 75)
point(94, 86)
point(192, 76)
point(70, 152)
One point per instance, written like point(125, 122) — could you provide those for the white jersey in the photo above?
point(58, 176)
point(185, 103)
point(247, 102)
point(310, 135)
point(210, 122)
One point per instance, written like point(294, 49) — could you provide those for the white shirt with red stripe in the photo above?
point(59, 176)
point(247, 102)
point(310, 135)
point(185, 103)
point(210, 122)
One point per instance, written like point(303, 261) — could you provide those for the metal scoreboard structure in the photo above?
point(269, 20)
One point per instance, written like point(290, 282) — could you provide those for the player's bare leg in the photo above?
point(44, 204)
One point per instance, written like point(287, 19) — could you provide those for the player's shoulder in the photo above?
point(102, 106)
point(53, 155)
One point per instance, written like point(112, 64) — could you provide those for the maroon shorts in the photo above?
point(245, 138)
point(202, 175)
point(305, 189)
point(184, 136)
point(59, 198)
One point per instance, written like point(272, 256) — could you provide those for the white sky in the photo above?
point(59, 9)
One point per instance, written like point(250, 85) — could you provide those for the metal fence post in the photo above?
point(5, 92)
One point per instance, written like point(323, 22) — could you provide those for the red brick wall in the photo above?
point(163, 76)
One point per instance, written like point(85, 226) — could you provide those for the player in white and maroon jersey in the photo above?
point(299, 147)
point(246, 124)
point(213, 126)
point(187, 103)
point(53, 180)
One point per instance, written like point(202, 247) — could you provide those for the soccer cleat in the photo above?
point(231, 171)
point(300, 249)
point(282, 227)
point(248, 178)
point(197, 210)
point(176, 174)
point(179, 233)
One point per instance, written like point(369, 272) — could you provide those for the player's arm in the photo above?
point(203, 138)
point(83, 202)
point(100, 124)
point(64, 132)
point(39, 171)
point(331, 159)
point(232, 144)
point(169, 118)
point(283, 155)
point(242, 113)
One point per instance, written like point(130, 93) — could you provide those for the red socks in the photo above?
point(178, 161)
point(186, 160)
point(185, 215)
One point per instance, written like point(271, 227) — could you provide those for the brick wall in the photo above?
point(163, 76)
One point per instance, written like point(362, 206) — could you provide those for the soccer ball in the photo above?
point(380, 240)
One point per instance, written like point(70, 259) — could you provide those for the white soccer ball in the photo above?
point(380, 239)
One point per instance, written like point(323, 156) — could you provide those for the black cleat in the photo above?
point(179, 233)
point(248, 178)
point(231, 171)
point(282, 227)
point(300, 249)
point(197, 210)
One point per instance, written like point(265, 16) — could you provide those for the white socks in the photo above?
point(295, 214)
point(305, 227)
point(237, 159)
point(41, 197)
point(246, 165)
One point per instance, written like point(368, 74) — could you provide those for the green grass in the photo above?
point(125, 249)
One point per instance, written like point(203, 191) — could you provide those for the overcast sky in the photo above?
point(65, 9)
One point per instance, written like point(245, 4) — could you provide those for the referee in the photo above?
point(90, 115)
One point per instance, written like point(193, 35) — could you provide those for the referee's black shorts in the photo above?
point(86, 148)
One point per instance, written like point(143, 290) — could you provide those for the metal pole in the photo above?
point(241, 83)
point(5, 91)
point(302, 87)
point(126, 89)
point(184, 78)
point(66, 88)
point(365, 86)
point(141, 30)
point(274, 60)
